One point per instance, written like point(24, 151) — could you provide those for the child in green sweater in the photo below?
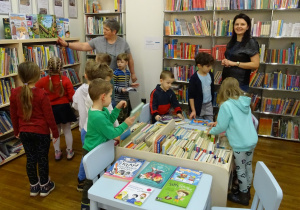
point(100, 127)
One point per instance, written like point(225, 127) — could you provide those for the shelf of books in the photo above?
point(193, 148)
point(205, 25)
point(96, 12)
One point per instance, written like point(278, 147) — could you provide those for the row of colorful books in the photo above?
point(6, 85)
point(68, 72)
point(218, 52)
point(9, 61)
point(177, 184)
point(255, 101)
point(40, 54)
point(181, 92)
point(250, 4)
point(188, 5)
point(280, 81)
point(288, 129)
point(222, 27)
point(281, 29)
point(182, 73)
point(288, 106)
point(95, 24)
point(21, 26)
point(256, 79)
point(261, 28)
point(10, 148)
point(92, 6)
point(5, 122)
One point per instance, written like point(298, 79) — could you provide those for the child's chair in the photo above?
point(145, 115)
point(268, 194)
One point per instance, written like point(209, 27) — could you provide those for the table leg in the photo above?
point(93, 205)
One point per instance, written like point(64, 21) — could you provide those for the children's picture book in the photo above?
point(66, 27)
point(199, 122)
point(137, 111)
point(33, 26)
point(187, 175)
point(60, 27)
point(125, 168)
point(47, 26)
point(134, 193)
point(176, 193)
point(6, 26)
point(155, 174)
point(18, 26)
point(167, 118)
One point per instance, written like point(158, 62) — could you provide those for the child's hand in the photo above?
point(121, 104)
point(180, 116)
point(135, 85)
point(129, 120)
point(212, 124)
point(54, 140)
point(124, 90)
point(193, 115)
point(157, 117)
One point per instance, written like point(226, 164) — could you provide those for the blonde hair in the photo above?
point(103, 58)
point(166, 74)
point(94, 70)
point(54, 67)
point(28, 73)
point(229, 89)
point(98, 87)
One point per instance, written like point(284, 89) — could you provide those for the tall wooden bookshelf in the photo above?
point(290, 15)
point(19, 44)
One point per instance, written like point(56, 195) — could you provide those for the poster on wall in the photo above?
point(59, 8)
point(5, 6)
point(43, 7)
point(72, 9)
point(25, 6)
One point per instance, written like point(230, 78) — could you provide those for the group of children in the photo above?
point(44, 103)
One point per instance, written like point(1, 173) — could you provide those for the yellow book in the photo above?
point(3, 60)
point(278, 27)
point(1, 67)
point(1, 92)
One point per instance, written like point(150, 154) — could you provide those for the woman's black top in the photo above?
point(242, 54)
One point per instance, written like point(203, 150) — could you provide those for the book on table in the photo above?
point(187, 175)
point(176, 193)
point(134, 193)
point(167, 118)
point(137, 111)
point(125, 168)
point(155, 174)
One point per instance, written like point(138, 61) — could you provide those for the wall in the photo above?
point(144, 18)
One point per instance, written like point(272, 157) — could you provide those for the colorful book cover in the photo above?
point(176, 193)
point(66, 26)
point(125, 168)
point(134, 193)
point(33, 26)
point(47, 26)
point(18, 26)
point(155, 174)
point(199, 122)
point(6, 26)
point(60, 28)
point(167, 118)
point(187, 175)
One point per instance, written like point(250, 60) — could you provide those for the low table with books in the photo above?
point(133, 183)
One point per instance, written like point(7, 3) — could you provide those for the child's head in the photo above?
point(103, 58)
point(55, 66)
point(94, 70)
point(29, 73)
point(166, 79)
point(229, 89)
point(100, 89)
point(122, 61)
point(204, 62)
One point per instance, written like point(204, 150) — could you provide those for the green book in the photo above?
point(137, 111)
point(176, 193)
point(6, 27)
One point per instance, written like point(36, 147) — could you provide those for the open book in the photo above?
point(131, 89)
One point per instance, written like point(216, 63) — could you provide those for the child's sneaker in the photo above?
point(58, 155)
point(85, 206)
point(80, 185)
point(47, 188)
point(35, 189)
point(70, 154)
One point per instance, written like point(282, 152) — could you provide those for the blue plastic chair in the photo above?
point(268, 194)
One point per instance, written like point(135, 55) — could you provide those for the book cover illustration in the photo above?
point(167, 118)
point(187, 175)
point(33, 26)
point(66, 26)
point(176, 193)
point(6, 26)
point(47, 26)
point(125, 168)
point(60, 28)
point(155, 174)
point(134, 193)
point(199, 122)
point(18, 26)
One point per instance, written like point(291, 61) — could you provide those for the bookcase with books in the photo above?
point(96, 12)
point(14, 52)
point(207, 25)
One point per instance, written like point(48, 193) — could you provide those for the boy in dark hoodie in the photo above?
point(162, 98)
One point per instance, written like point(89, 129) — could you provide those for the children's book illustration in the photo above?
point(134, 193)
point(167, 118)
point(125, 168)
point(176, 193)
point(187, 175)
point(47, 26)
point(199, 122)
point(18, 25)
point(6, 26)
point(155, 174)
point(33, 26)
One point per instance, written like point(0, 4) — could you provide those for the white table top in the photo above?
point(104, 190)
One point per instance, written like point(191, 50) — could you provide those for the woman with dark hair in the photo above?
point(242, 52)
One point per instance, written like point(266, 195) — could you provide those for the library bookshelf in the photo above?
point(13, 76)
point(220, 173)
point(209, 41)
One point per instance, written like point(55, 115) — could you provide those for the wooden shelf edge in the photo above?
point(13, 41)
point(279, 138)
point(7, 132)
point(4, 105)
point(10, 75)
point(12, 157)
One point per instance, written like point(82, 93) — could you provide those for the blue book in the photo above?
point(187, 175)
point(155, 174)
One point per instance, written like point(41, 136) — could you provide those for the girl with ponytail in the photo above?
point(32, 116)
point(60, 91)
